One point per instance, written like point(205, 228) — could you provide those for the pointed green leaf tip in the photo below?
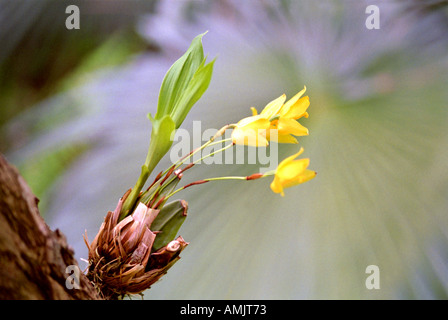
point(168, 222)
point(184, 83)
point(194, 91)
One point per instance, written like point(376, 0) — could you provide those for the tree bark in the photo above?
point(33, 258)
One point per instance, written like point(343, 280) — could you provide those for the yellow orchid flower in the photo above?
point(291, 172)
point(280, 115)
point(251, 131)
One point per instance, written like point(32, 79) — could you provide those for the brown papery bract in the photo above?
point(121, 258)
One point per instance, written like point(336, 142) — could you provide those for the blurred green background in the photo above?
point(73, 108)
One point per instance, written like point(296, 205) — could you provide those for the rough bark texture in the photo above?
point(33, 258)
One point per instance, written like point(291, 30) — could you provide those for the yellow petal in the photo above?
point(307, 175)
point(287, 161)
point(251, 131)
point(291, 170)
point(297, 109)
point(254, 111)
point(291, 126)
point(277, 187)
point(286, 138)
point(291, 158)
point(249, 137)
point(294, 99)
point(273, 107)
point(248, 121)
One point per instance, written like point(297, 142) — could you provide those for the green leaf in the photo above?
point(194, 91)
point(183, 85)
point(178, 77)
point(161, 139)
point(168, 222)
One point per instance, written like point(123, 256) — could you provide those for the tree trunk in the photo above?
point(33, 258)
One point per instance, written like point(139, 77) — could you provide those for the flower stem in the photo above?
point(150, 164)
point(215, 152)
point(251, 177)
point(210, 142)
point(129, 203)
